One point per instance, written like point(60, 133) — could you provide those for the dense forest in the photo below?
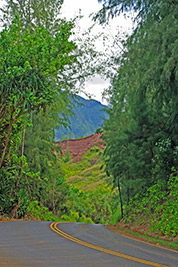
point(142, 131)
point(41, 60)
point(40, 66)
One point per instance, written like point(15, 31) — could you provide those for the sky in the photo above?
point(97, 84)
point(70, 9)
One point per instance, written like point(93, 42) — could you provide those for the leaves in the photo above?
point(159, 206)
point(143, 99)
point(29, 67)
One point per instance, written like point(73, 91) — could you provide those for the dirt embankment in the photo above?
point(78, 147)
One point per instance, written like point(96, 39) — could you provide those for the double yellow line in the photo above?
point(53, 226)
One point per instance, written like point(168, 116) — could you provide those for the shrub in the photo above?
point(40, 212)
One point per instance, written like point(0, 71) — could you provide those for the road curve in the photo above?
point(47, 244)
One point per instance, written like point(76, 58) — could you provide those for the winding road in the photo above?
point(47, 244)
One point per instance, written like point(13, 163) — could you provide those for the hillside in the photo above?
point(88, 116)
point(84, 173)
point(78, 147)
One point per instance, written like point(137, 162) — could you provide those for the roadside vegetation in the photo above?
point(135, 179)
point(41, 60)
point(142, 131)
point(91, 189)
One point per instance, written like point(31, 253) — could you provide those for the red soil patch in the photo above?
point(78, 147)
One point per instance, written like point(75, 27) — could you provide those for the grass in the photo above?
point(90, 187)
point(149, 239)
point(87, 174)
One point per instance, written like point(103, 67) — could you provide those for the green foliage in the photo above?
point(67, 156)
point(86, 174)
point(33, 14)
point(74, 217)
point(141, 9)
point(165, 157)
point(39, 145)
point(42, 155)
point(116, 216)
point(38, 212)
point(19, 186)
point(159, 206)
point(141, 133)
point(39, 67)
point(29, 66)
point(57, 195)
point(88, 185)
point(97, 206)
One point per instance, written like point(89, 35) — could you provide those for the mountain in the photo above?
point(88, 116)
point(78, 147)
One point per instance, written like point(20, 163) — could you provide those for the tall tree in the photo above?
point(143, 94)
point(47, 14)
point(33, 13)
point(38, 65)
point(30, 63)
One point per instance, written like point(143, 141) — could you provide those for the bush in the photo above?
point(159, 206)
point(40, 212)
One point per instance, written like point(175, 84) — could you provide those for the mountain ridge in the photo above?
point(88, 116)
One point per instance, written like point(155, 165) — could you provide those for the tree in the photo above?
point(142, 9)
point(33, 13)
point(143, 96)
point(38, 65)
point(30, 63)
point(47, 14)
point(39, 146)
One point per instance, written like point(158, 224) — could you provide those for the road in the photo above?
point(46, 244)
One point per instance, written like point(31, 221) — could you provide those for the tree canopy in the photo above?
point(143, 117)
point(40, 64)
point(29, 67)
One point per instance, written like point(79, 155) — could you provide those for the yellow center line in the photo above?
point(53, 226)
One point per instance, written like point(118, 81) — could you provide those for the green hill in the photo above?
point(88, 116)
point(95, 201)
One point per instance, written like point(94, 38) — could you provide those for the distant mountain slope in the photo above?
point(88, 116)
point(78, 147)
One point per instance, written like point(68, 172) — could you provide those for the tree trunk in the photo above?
point(128, 174)
point(120, 196)
point(7, 141)
point(128, 191)
point(22, 152)
point(23, 141)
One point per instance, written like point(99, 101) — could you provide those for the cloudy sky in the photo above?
point(96, 85)
point(70, 9)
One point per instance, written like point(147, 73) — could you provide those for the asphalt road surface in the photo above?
point(47, 244)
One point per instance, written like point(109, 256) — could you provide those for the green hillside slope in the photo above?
point(88, 115)
point(90, 188)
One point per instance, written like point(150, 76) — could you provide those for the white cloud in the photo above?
point(70, 9)
point(95, 87)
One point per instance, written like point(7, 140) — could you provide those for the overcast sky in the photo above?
point(70, 9)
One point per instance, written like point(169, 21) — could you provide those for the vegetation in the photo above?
point(30, 62)
point(87, 116)
point(40, 65)
point(84, 181)
point(141, 132)
point(91, 189)
point(39, 68)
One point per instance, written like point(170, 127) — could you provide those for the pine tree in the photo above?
point(144, 96)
